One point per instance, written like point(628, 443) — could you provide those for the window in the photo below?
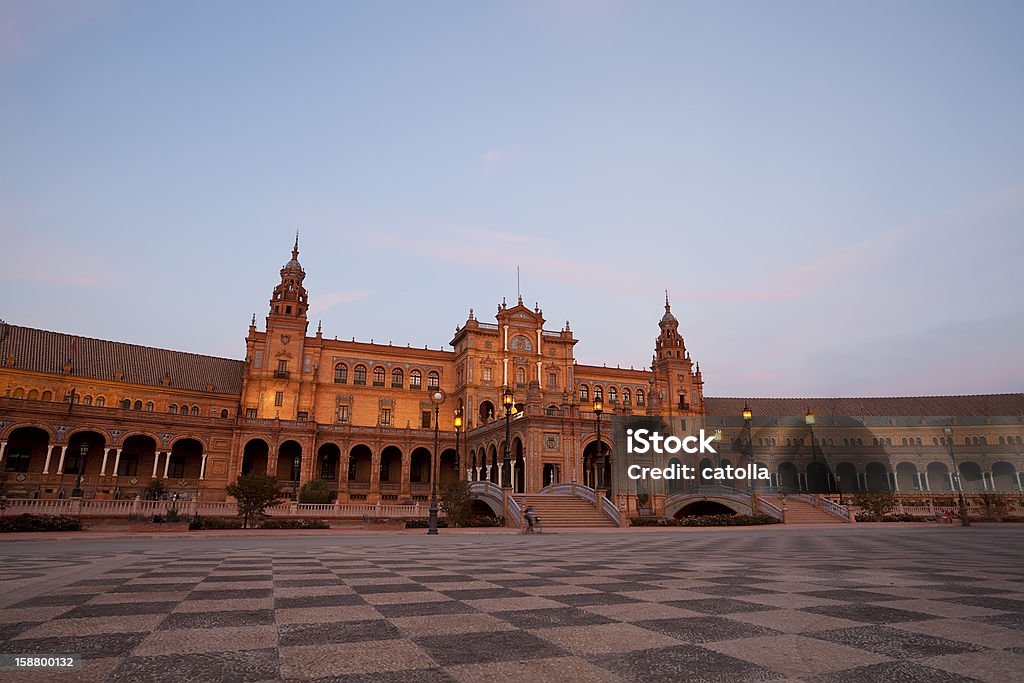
point(552, 410)
point(425, 419)
point(378, 376)
point(415, 379)
point(87, 401)
point(521, 377)
point(328, 469)
point(584, 393)
point(626, 396)
point(282, 369)
point(100, 401)
point(301, 416)
point(598, 394)
point(397, 378)
point(138, 405)
point(613, 395)
point(224, 413)
point(639, 397)
point(128, 466)
point(553, 380)
point(360, 375)
point(487, 375)
point(250, 413)
point(19, 393)
point(173, 409)
point(176, 468)
point(279, 398)
point(195, 410)
point(258, 359)
point(385, 417)
point(47, 395)
point(149, 407)
point(341, 374)
point(343, 414)
point(17, 459)
point(433, 380)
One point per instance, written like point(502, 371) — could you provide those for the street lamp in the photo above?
point(598, 409)
point(82, 452)
point(509, 401)
point(458, 428)
point(964, 519)
point(437, 398)
point(748, 417)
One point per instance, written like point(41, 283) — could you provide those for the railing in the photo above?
point(150, 508)
point(490, 491)
point(769, 508)
point(833, 508)
point(584, 492)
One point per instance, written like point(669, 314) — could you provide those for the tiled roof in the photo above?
point(44, 351)
point(980, 405)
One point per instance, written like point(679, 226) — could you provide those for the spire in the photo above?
point(668, 317)
point(295, 249)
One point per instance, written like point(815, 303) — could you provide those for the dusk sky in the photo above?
point(832, 193)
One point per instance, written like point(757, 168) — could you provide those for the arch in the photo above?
point(96, 430)
point(613, 395)
point(818, 478)
point(194, 410)
point(419, 466)
point(597, 458)
point(846, 478)
point(200, 439)
point(702, 508)
point(938, 477)
point(521, 376)
point(552, 410)
point(415, 379)
point(876, 477)
point(705, 463)
point(448, 467)
point(138, 405)
point(486, 412)
point(970, 477)
point(433, 380)
point(639, 397)
point(584, 393)
point(787, 476)
point(360, 464)
point(18, 393)
point(96, 443)
point(494, 464)
point(906, 476)
point(518, 466)
point(341, 374)
point(1004, 477)
point(359, 375)
point(391, 465)
point(173, 409)
point(255, 457)
point(328, 462)
point(185, 460)
point(138, 453)
point(289, 462)
point(33, 395)
point(598, 392)
point(675, 485)
point(6, 433)
point(26, 449)
point(149, 406)
point(627, 397)
point(397, 378)
point(379, 373)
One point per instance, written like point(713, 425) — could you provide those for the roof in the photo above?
point(44, 351)
point(979, 405)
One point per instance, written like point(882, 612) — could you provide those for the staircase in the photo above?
point(563, 512)
point(799, 512)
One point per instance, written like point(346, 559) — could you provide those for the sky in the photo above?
point(832, 193)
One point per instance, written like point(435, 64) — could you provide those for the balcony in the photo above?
point(280, 374)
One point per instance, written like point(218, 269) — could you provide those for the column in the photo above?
point(405, 490)
point(156, 461)
point(1019, 487)
point(167, 464)
point(117, 462)
point(202, 468)
point(3, 445)
point(60, 463)
point(952, 484)
point(46, 465)
point(487, 474)
point(374, 476)
point(103, 467)
point(342, 476)
point(896, 481)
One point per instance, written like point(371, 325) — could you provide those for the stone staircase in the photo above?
point(563, 512)
point(799, 512)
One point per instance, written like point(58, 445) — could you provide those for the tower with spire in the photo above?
point(678, 385)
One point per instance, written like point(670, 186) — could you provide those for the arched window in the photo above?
point(598, 393)
point(521, 376)
point(195, 410)
point(224, 413)
point(360, 375)
point(983, 440)
point(172, 409)
point(904, 441)
point(584, 393)
point(874, 441)
point(397, 378)
point(19, 393)
point(613, 395)
point(378, 376)
point(149, 406)
point(639, 397)
point(340, 373)
point(87, 401)
point(553, 410)
point(415, 379)
point(1002, 441)
point(935, 441)
point(47, 395)
point(100, 401)
point(917, 441)
point(433, 380)
point(138, 405)
point(626, 396)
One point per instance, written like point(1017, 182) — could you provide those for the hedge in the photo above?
point(204, 523)
point(294, 524)
point(27, 522)
point(706, 520)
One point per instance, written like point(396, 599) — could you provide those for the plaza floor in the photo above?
point(847, 604)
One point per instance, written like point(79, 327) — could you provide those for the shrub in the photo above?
point(706, 520)
point(205, 523)
point(485, 521)
point(424, 524)
point(254, 493)
point(316, 492)
point(294, 524)
point(875, 504)
point(27, 522)
point(457, 502)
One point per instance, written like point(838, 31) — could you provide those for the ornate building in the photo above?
point(361, 416)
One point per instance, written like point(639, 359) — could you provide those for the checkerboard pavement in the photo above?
point(767, 604)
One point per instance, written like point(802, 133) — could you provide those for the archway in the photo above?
point(597, 469)
point(701, 508)
point(877, 477)
point(390, 467)
point(846, 478)
point(448, 468)
point(906, 476)
point(360, 461)
point(817, 478)
point(88, 465)
point(486, 412)
point(328, 461)
point(185, 462)
point(938, 477)
point(494, 465)
point(289, 464)
point(970, 477)
point(519, 464)
point(419, 466)
point(787, 476)
point(1004, 477)
point(675, 485)
point(254, 457)
point(25, 451)
point(481, 509)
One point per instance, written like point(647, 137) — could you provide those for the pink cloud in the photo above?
point(324, 302)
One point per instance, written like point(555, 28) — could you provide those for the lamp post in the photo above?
point(509, 401)
point(82, 452)
point(598, 409)
point(437, 398)
point(748, 417)
point(458, 428)
point(964, 519)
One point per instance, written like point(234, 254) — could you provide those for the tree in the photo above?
point(155, 488)
point(254, 493)
point(316, 491)
point(996, 504)
point(457, 502)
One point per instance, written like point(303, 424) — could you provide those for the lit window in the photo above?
point(433, 380)
point(584, 393)
point(415, 379)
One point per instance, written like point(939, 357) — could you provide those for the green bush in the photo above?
point(424, 524)
point(316, 492)
point(27, 522)
point(707, 520)
point(294, 524)
point(205, 523)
